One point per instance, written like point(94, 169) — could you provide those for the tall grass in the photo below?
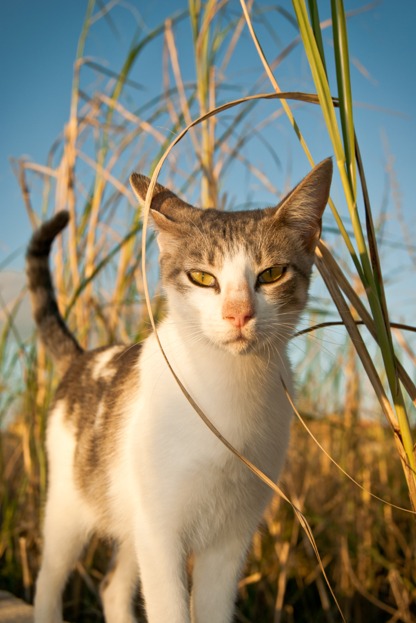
point(367, 546)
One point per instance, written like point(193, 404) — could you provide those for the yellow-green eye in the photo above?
point(201, 278)
point(271, 275)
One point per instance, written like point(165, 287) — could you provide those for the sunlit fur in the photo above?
point(129, 458)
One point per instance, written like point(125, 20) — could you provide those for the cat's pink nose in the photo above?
point(238, 315)
point(239, 320)
point(238, 310)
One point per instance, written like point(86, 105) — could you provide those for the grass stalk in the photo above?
point(342, 63)
point(204, 53)
point(68, 162)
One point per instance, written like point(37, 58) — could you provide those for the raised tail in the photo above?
point(53, 331)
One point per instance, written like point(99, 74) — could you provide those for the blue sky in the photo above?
point(38, 43)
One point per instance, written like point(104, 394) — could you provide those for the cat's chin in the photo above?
point(237, 346)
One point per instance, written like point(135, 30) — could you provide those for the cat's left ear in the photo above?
point(164, 202)
point(169, 213)
point(303, 207)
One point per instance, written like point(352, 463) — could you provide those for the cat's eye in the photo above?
point(201, 278)
point(271, 275)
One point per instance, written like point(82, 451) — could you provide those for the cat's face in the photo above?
point(239, 280)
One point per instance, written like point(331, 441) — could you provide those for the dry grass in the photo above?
point(368, 548)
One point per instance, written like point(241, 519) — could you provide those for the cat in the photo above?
point(129, 458)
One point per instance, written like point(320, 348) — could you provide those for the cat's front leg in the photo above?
point(119, 586)
point(163, 575)
point(215, 579)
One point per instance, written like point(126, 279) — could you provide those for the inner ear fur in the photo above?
point(303, 207)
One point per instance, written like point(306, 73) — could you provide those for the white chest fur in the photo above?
point(181, 470)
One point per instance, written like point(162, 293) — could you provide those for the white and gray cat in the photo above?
point(129, 458)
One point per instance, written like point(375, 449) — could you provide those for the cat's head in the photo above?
point(239, 279)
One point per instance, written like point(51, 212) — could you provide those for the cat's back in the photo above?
point(96, 382)
point(88, 416)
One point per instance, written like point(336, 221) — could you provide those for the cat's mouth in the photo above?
point(238, 344)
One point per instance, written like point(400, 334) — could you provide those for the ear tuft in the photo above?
point(162, 222)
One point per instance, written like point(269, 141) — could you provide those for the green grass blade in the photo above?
point(316, 26)
point(328, 110)
point(342, 65)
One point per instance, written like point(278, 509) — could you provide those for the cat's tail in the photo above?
point(53, 331)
